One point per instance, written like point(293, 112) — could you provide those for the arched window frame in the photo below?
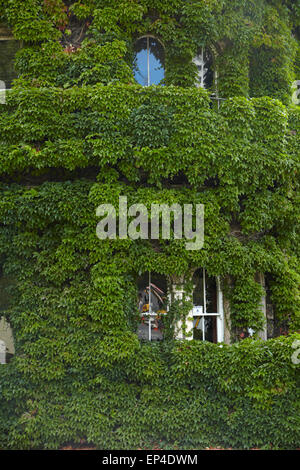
point(150, 36)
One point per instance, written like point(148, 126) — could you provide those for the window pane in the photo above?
point(204, 63)
point(141, 74)
point(156, 62)
point(158, 305)
point(198, 297)
point(149, 61)
point(205, 328)
point(211, 295)
point(210, 329)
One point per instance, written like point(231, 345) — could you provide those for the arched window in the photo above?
point(208, 308)
point(152, 306)
point(204, 64)
point(149, 61)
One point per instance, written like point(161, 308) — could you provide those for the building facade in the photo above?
point(170, 103)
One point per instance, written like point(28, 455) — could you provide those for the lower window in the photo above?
point(152, 300)
point(208, 308)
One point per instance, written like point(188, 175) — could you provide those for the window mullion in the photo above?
point(148, 61)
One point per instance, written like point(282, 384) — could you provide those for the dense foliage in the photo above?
point(77, 132)
point(196, 394)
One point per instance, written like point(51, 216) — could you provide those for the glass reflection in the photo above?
point(149, 61)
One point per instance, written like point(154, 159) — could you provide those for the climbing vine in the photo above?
point(76, 132)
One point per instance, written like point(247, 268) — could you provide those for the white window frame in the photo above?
point(199, 311)
point(179, 294)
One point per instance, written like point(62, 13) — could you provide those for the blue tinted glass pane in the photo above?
point(156, 70)
point(144, 47)
point(140, 73)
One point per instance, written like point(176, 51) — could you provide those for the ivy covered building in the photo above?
point(122, 342)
